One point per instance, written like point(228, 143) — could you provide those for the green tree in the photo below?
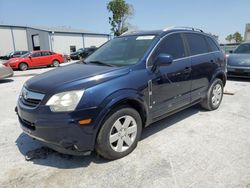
point(229, 38)
point(121, 11)
point(237, 37)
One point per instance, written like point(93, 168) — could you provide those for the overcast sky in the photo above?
point(220, 17)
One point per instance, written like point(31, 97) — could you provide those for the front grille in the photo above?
point(30, 98)
point(27, 124)
point(230, 73)
point(30, 102)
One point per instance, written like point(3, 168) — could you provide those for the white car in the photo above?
point(5, 71)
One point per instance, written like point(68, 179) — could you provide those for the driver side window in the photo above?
point(172, 45)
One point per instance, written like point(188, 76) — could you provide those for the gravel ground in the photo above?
point(193, 148)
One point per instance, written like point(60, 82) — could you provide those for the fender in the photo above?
point(219, 73)
point(114, 99)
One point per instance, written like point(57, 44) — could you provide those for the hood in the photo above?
point(16, 59)
point(241, 60)
point(76, 76)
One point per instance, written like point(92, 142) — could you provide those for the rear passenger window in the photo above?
point(172, 45)
point(46, 53)
point(197, 44)
point(213, 47)
point(37, 54)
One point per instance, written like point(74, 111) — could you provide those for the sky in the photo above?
point(219, 17)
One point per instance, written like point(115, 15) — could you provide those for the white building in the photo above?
point(247, 33)
point(57, 39)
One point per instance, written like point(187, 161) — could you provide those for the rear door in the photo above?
point(202, 63)
point(171, 84)
point(46, 58)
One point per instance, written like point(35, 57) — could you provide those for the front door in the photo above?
point(170, 85)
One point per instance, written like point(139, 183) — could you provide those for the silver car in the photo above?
point(238, 62)
point(5, 71)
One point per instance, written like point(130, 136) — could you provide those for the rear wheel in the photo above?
point(214, 95)
point(119, 134)
point(55, 63)
point(23, 66)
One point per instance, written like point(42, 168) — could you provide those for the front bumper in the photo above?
point(235, 71)
point(59, 131)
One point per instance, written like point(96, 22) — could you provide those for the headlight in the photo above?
point(65, 101)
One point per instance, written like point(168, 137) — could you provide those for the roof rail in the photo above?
point(183, 27)
point(129, 32)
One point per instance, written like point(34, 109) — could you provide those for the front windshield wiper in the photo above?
point(99, 63)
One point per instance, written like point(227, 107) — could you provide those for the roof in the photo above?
point(164, 31)
point(56, 29)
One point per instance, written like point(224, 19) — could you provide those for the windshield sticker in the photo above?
point(149, 37)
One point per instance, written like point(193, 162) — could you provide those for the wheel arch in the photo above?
point(130, 99)
point(21, 63)
point(221, 75)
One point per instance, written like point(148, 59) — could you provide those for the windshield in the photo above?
point(26, 55)
point(243, 49)
point(122, 51)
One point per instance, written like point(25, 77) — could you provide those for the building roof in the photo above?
point(56, 29)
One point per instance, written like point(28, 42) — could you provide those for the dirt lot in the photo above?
point(193, 148)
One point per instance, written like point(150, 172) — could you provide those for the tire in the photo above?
point(214, 96)
point(56, 63)
point(114, 140)
point(23, 66)
point(79, 57)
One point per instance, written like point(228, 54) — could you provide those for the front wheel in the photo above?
point(119, 134)
point(214, 95)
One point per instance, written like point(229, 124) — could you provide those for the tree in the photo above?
point(237, 37)
point(121, 11)
point(229, 38)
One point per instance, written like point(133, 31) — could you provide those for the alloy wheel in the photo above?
point(216, 94)
point(123, 133)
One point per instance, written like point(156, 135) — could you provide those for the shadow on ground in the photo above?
point(26, 144)
point(239, 79)
point(5, 81)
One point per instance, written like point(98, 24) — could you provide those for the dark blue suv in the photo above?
point(103, 103)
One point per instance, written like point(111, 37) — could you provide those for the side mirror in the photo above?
point(162, 60)
point(231, 51)
point(30, 56)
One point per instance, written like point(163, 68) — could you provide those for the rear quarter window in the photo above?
point(197, 44)
point(212, 45)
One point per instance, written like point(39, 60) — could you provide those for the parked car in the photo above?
point(13, 55)
point(36, 59)
point(104, 102)
point(82, 53)
point(238, 62)
point(5, 71)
